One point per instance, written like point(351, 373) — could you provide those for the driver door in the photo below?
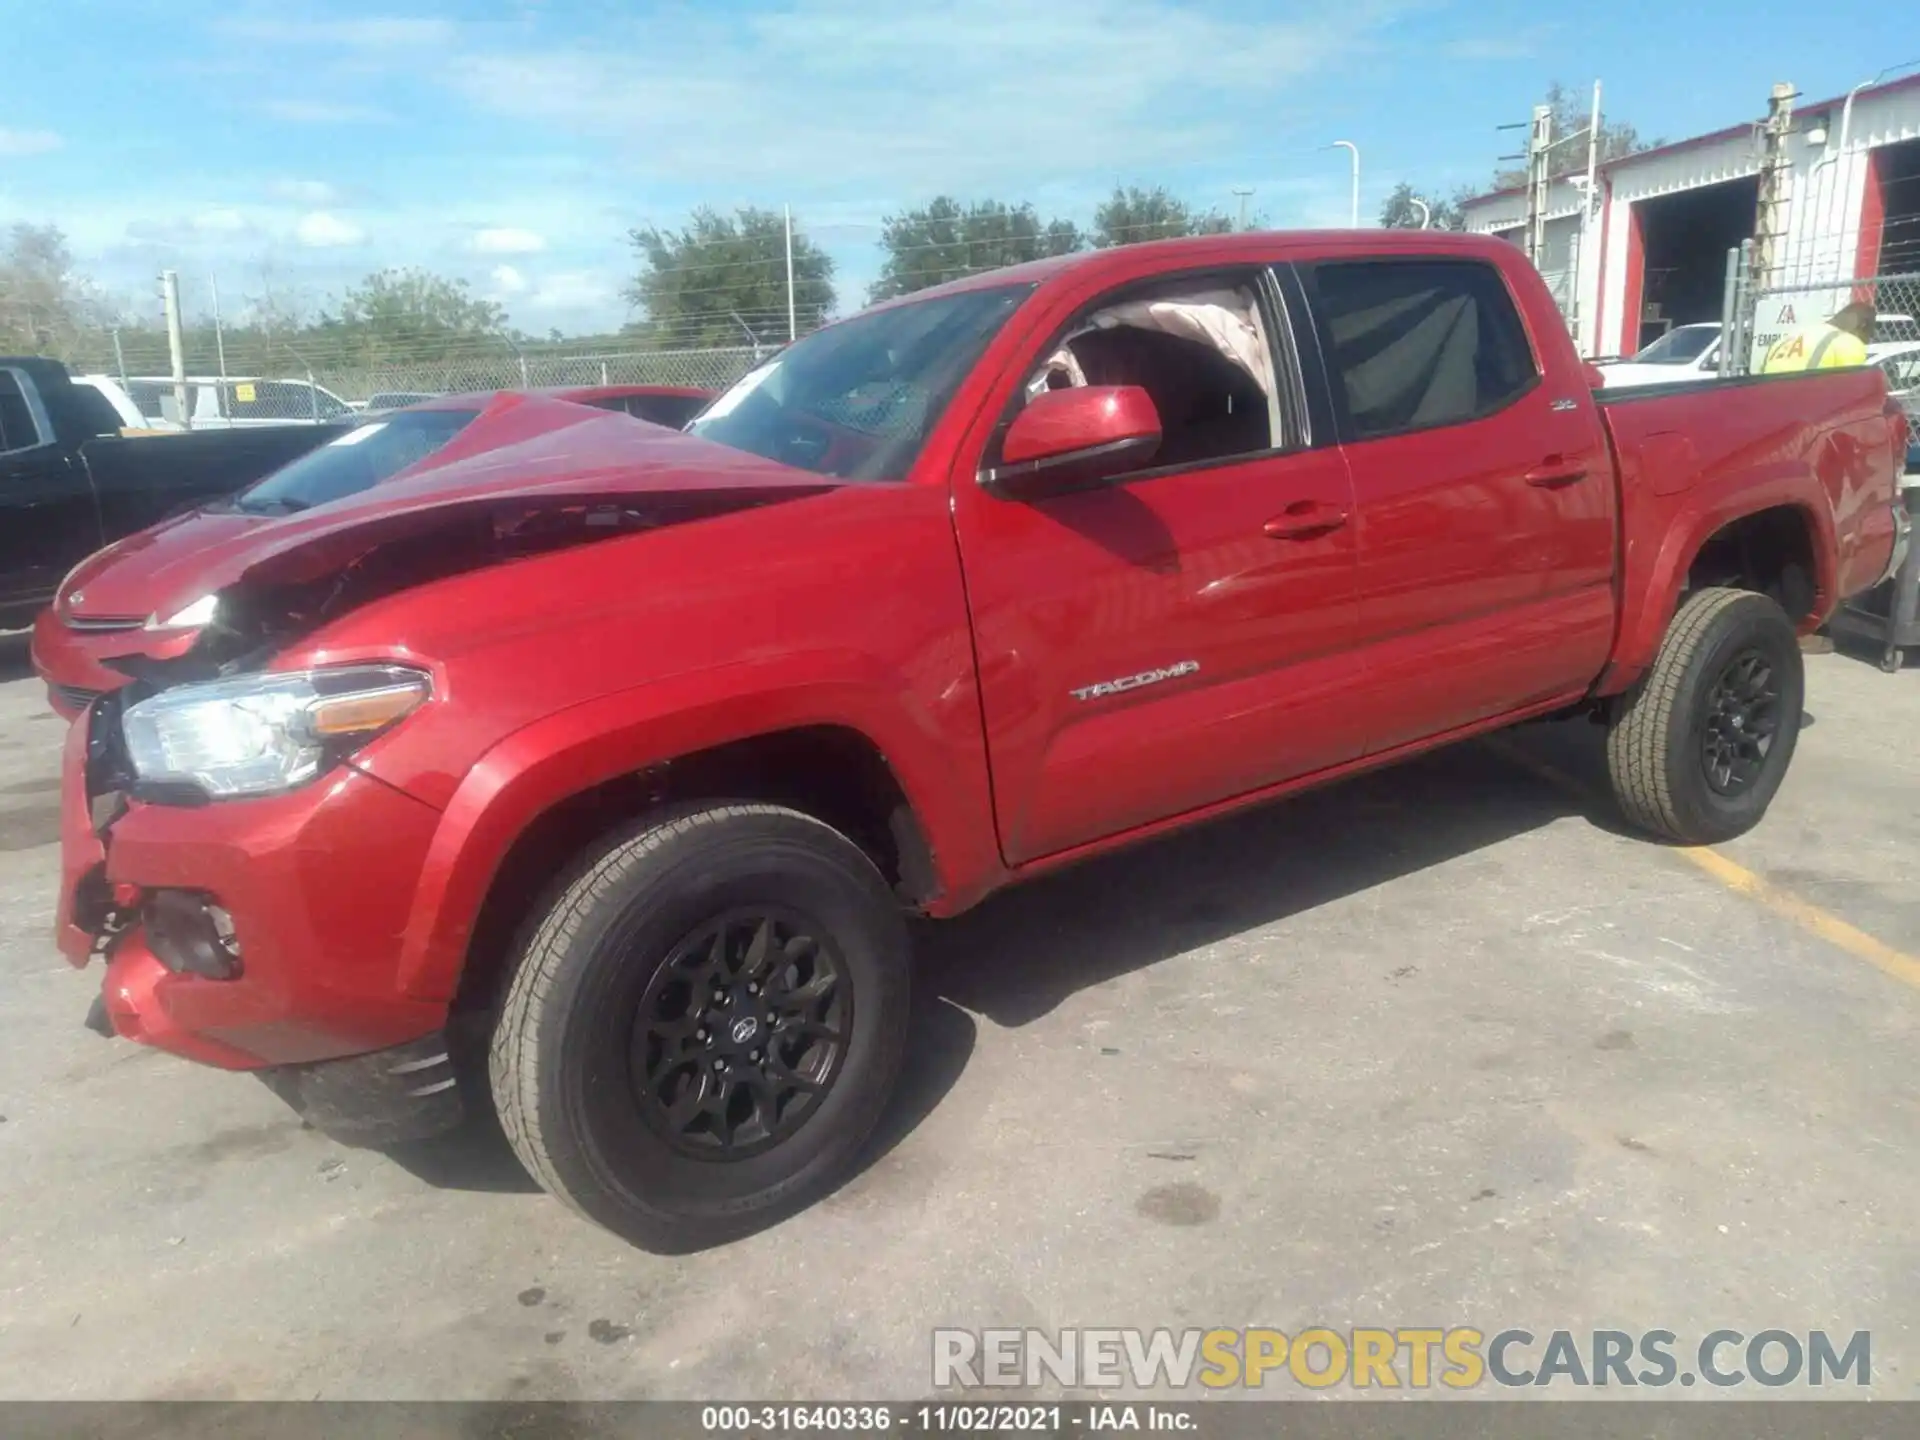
point(1182, 634)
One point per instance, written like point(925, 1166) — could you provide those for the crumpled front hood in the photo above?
point(135, 576)
point(549, 458)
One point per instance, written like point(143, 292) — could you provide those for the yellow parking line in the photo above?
point(1736, 877)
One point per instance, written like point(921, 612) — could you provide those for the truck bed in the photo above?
point(1826, 444)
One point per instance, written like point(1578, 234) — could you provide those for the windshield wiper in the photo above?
point(281, 505)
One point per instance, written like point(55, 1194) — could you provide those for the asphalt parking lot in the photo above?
point(1436, 1047)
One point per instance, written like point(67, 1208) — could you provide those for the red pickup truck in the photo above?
point(624, 752)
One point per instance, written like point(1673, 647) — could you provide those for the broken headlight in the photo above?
point(192, 617)
point(261, 734)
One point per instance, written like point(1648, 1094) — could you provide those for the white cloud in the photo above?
point(575, 290)
point(321, 229)
point(28, 142)
point(507, 280)
point(1521, 46)
point(903, 99)
point(323, 112)
point(508, 241)
point(219, 222)
point(305, 192)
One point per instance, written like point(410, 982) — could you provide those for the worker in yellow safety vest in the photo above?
point(1837, 342)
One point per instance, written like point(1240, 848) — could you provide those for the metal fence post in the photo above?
point(1736, 336)
point(170, 300)
point(1730, 311)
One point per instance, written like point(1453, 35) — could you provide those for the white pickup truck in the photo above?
point(236, 402)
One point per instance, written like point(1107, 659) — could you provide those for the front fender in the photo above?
point(938, 756)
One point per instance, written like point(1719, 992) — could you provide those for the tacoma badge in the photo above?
point(1134, 682)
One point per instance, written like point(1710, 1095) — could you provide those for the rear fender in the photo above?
point(576, 749)
point(1652, 582)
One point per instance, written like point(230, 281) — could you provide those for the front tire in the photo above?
point(704, 1027)
point(1698, 748)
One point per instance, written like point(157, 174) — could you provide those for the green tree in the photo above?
point(1132, 214)
point(944, 240)
point(46, 306)
point(724, 278)
point(394, 316)
point(1398, 211)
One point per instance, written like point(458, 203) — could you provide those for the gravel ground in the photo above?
point(1440, 1046)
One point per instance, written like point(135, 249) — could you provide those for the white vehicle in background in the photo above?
point(237, 402)
point(1685, 353)
point(396, 399)
point(1692, 353)
point(1892, 331)
point(1902, 366)
point(132, 422)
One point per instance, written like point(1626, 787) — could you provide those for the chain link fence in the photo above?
point(144, 367)
point(1758, 317)
point(262, 361)
point(523, 370)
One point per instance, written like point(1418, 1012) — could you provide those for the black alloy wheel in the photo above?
point(1697, 748)
point(1741, 721)
point(704, 1023)
point(741, 1033)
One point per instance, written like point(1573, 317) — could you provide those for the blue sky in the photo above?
point(289, 149)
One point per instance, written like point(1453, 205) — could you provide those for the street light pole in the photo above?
point(1353, 212)
point(1426, 215)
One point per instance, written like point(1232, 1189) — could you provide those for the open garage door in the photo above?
point(1896, 179)
point(1684, 239)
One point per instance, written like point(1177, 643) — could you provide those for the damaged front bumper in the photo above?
point(260, 935)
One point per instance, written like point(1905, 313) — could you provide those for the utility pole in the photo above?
point(1539, 192)
point(170, 298)
point(1583, 342)
point(793, 325)
point(1770, 216)
point(1243, 191)
point(1539, 182)
point(1540, 142)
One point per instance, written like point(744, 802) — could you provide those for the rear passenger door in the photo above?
point(1483, 493)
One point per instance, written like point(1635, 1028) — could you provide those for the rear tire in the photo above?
point(1698, 748)
point(705, 1025)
